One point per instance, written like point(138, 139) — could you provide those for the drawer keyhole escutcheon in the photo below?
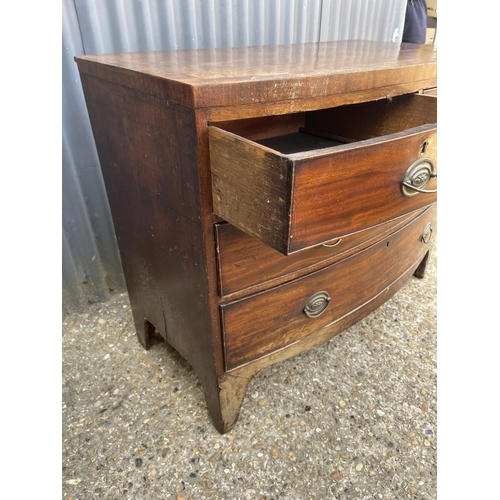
point(316, 304)
point(417, 176)
point(427, 233)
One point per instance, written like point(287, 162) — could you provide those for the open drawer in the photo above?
point(296, 181)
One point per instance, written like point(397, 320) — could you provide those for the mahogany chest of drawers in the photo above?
point(264, 198)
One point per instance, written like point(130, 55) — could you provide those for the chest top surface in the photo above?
point(205, 78)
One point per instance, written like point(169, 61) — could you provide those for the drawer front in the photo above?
point(333, 177)
point(349, 190)
point(269, 321)
point(246, 265)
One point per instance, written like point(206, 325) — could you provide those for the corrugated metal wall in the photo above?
point(91, 264)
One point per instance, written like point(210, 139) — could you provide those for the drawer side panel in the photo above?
point(250, 186)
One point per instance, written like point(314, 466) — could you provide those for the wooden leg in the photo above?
point(144, 330)
point(233, 389)
point(225, 398)
point(420, 271)
point(224, 394)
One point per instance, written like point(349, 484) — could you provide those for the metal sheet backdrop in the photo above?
point(91, 263)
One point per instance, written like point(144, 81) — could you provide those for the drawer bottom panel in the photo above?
point(266, 322)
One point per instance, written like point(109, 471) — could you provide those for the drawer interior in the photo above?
point(327, 128)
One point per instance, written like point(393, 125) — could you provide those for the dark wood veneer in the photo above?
point(246, 265)
point(340, 173)
point(154, 117)
point(266, 322)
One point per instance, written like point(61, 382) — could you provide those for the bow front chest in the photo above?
point(264, 198)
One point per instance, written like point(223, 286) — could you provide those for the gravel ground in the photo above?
point(354, 418)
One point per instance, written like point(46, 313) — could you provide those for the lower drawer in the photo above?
point(265, 322)
point(246, 265)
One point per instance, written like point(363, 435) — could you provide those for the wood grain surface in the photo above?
point(246, 265)
point(251, 187)
point(291, 197)
point(357, 186)
point(150, 155)
point(241, 76)
point(234, 383)
point(178, 135)
point(268, 321)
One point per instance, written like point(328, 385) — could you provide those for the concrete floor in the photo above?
point(352, 419)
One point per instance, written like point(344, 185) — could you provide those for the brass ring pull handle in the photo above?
point(417, 177)
point(316, 304)
point(333, 244)
point(427, 233)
